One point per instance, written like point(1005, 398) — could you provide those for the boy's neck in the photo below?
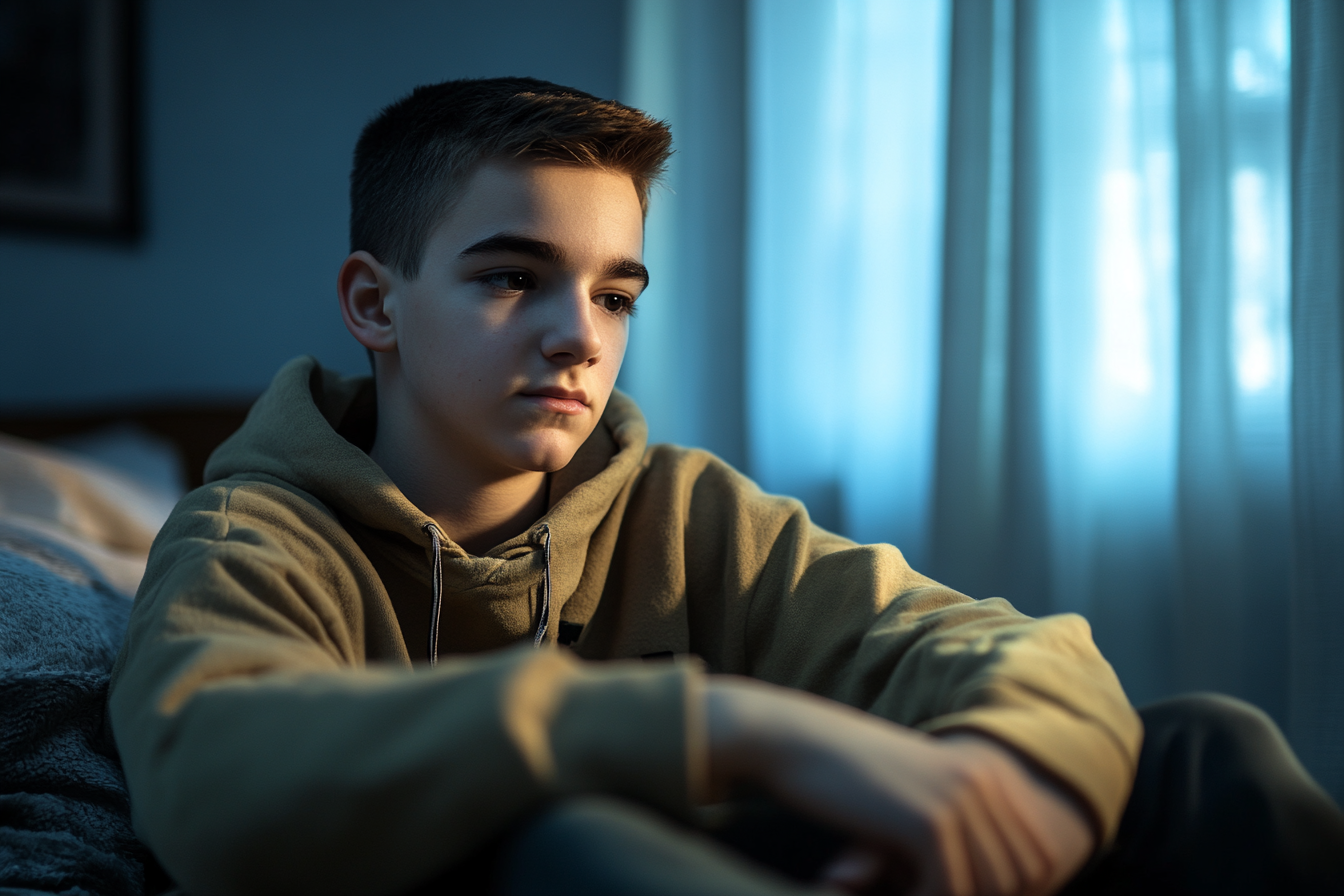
point(474, 510)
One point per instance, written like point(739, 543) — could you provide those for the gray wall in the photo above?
point(251, 113)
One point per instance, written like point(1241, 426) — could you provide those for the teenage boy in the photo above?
point(343, 674)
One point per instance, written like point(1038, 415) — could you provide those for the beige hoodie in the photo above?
point(282, 731)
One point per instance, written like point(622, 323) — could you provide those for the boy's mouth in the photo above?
point(557, 400)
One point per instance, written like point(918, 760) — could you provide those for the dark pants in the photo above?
point(1220, 806)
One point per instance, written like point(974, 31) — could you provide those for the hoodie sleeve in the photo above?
point(264, 755)
point(773, 596)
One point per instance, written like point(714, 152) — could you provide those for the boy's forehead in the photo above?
point(548, 200)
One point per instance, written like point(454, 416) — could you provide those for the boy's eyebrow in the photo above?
point(628, 269)
point(623, 268)
point(517, 244)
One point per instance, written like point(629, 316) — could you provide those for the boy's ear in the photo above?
point(362, 286)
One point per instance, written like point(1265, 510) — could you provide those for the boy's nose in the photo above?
point(572, 335)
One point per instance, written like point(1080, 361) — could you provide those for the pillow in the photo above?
point(102, 515)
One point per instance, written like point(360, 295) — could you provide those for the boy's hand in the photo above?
point(953, 815)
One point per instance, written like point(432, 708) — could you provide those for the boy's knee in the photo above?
point(577, 822)
point(1211, 716)
point(1220, 737)
point(597, 845)
point(1217, 778)
point(1213, 748)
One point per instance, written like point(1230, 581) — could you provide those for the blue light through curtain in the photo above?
point(1017, 300)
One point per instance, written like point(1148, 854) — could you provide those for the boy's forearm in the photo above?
point(962, 813)
point(855, 623)
point(373, 781)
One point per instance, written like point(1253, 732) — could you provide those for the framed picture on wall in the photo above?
point(69, 103)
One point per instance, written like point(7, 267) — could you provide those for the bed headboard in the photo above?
point(194, 431)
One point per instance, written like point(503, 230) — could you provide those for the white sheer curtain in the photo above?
point(1161, 164)
point(845, 191)
point(1016, 299)
point(1316, 692)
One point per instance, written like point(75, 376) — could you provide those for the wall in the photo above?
point(251, 113)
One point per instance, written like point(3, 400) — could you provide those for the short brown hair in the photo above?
point(414, 158)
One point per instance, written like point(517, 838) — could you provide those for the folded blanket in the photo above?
point(64, 814)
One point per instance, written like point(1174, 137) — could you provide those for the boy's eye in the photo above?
point(617, 303)
point(512, 281)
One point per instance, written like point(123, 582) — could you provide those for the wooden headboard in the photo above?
point(194, 431)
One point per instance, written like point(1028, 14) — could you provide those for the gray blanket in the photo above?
point(64, 816)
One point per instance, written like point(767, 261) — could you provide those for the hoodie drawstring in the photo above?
point(436, 586)
point(544, 619)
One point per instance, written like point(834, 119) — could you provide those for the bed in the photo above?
point(77, 516)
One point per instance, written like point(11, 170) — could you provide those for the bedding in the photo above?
point(74, 537)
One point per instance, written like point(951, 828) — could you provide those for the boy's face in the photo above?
point(510, 338)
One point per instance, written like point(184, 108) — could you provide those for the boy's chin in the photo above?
point(548, 465)
point(546, 458)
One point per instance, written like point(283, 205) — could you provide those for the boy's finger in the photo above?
point(1017, 837)
point(991, 860)
point(855, 869)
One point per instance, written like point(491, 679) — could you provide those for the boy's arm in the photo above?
point(953, 815)
point(778, 599)
point(262, 755)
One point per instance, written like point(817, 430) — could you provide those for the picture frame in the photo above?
point(69, 97)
